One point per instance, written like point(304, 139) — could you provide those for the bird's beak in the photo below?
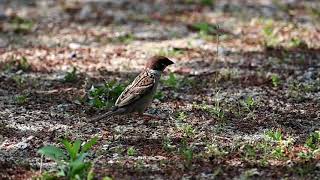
point(171, 62)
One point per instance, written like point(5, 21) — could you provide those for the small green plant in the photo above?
point(125, 39)
point(314, 11)
point(71, 76)
point(207, 2)
point(270, 35)
point(187, 154)
point(274, 135)
point(172, 81)
point(305, 155)
point(313, 141)
point(188, 130)
point(71, 162)
point(205, 28)
point(167, 144)
point(215, 110)
point(23, 64)
point(313, 145)
point(21, 99)
point(297, 43)
point(281, 144)
point(131, 151)
point(170, 52)
point(212, 150)
point(159, 95)
point(181, 116)
point(249, 151)
point(21, 25)
point(248, 174)
point(106, 95)
point(297, 90)
point(19, 80)
point(249, 103)
point(18, 64)
point(275, 79)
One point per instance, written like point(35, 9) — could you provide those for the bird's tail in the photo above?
point(113, 112)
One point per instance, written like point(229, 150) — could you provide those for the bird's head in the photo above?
point(158, 63)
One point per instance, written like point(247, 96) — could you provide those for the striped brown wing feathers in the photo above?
point(143, 84)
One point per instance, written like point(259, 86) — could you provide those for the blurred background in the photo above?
point(241, 101)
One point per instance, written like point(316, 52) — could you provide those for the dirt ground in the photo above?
point(220, 106)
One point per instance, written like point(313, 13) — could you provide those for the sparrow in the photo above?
point(137, 96)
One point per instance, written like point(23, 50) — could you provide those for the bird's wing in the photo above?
point(141, 86)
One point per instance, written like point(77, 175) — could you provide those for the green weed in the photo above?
point(170, 52)
point(21, 99)
point(167, 144)
point(131, 151)
point(275, 79)
point(270, 35)
point(106, 95)
point(71, 162)
point(21, 25)
point(249, 103)
point(71, 76)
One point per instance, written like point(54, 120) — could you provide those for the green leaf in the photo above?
point(76, 146)
point(70, 149)
point(89, 144)
point(107, 178)
point(78, 167)
point(53, 153)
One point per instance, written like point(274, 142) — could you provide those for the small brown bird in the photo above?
point(139, 94)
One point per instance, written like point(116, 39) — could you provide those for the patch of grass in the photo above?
point(71, 163)
point(202, 2)
point(71, 76)
point(271, 39)
point(19, 80)
point(206, 30)
point(281, 145)
point(313, 141)
point(124, 39)
point(212, 151)
point(167, 144)
point(249, 151)
point(21, 99)
point(170, 52)
point(23, 64)
point(275, 80)
point(215, 110)
point(186, 152)
point(159, 95)
point(297, 43)
point(274, 135)
point(313, 145)
point(21, 25)
point(314, 11)
point(248, 174)
point(187, 129)
point(181, 117)
point(106, 95)
point(178, 82)
point(207, 2)
point(17, 64)
point(297, 90)
point(249, 103)
point(131, 151)
point(172, 81)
